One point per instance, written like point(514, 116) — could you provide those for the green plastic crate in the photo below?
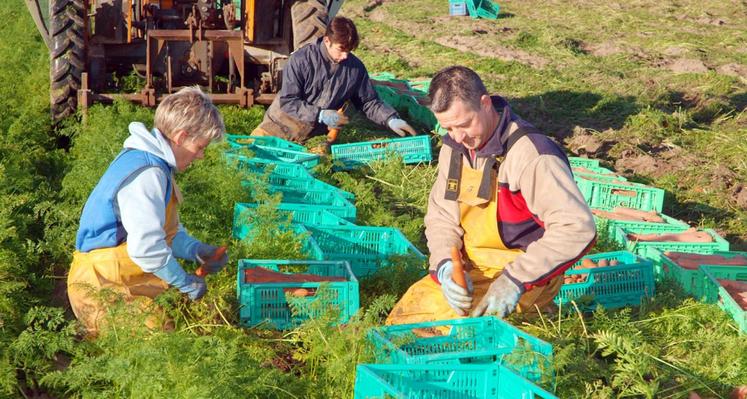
point(625, 284)
point(483, 9)
point(299, 213)
point(412, 149)
point(283, 174)
point(578, 162)
point(243, 231)
point(692, 281)
point(387, 95)
point(649, 249)
point(452, 382)
point(277, 169)
point(610, 194)
point(367, 248)
point(422, 115)
point(481, 340)
point(323, 200)
point(267, 303)
point(303, 158)
point(331, 200)
point(715, 293)
point(243, 141)
point(613, 224)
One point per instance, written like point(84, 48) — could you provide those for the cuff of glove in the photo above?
point(443, 270)
point(518, 283)
point(173, 274)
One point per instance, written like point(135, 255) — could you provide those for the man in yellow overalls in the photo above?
point(129, 235)
point(505, 197)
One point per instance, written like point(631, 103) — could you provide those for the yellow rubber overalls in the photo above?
point(486, 253)
point(112, 269)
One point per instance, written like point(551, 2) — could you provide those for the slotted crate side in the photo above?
point(474, 340)
point(692, 281)
point(452, 382)
point(305, 159)
point(625, 284)
point(300, 213)
point(578, 162)
point(283, 174)
point(716, 293)
point(610, 194)
point(412, 150)
point(258, 165)
point(243, 141)
point(612, 225)
point(647, 249)
point(366, 248)
point(263, 302)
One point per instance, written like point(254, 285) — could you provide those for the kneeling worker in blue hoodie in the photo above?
point(130, 235)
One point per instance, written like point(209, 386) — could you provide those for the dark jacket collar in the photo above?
point(496, 145)
point(323, 50)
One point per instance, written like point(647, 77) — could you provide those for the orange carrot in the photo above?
point(201, 272)
point(457, 273)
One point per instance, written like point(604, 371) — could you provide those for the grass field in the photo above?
point(655, 89)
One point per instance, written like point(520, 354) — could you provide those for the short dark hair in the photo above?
point(342, 31)
point(455, 82)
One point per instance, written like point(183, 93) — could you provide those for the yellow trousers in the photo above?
point(103, 276)
point(425, 302)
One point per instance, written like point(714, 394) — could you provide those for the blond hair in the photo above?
point(190, 110)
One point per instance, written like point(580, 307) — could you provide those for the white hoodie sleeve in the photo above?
point(142, 209)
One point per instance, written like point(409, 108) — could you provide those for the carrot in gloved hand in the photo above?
point(457, 274)
point(213, 263)
point(458, 296)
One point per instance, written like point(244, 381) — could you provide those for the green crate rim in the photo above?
point(351, 286)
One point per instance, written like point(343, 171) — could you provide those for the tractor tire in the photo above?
point(309, 19)
point(68, 55)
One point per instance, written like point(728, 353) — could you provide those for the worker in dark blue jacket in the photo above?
point(317, 80)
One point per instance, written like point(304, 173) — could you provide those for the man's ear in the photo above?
point(326, 41)
point(486, 102)
point(180, 137)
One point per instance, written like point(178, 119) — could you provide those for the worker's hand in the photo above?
point(174, 275)
point(500, 300)
point(332, 118)
point(458, 298)
point(207, 257)
point(401, 127)
point(194, 287)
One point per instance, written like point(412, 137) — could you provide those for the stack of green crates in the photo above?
point(324, 214)
point(267, 303)
point(478, 340)
point(625, 284)
point(472, 357)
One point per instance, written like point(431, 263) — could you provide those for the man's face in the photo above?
point(336, 51)
point(467, 126)
point(187, 149)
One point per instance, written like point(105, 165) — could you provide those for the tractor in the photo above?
point(234, 49)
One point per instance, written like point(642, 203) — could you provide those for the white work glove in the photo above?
point(401, 127)
point(500, 300)
point(332, 118)
point(458, 298)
